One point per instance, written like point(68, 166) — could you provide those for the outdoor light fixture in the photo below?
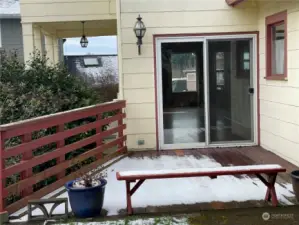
point(83, 41)
point(139, 30)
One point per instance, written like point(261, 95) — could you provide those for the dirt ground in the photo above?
point(251, 216)
point(283, 215)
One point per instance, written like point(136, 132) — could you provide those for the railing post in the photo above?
point(28, 172)
point(2, 167)
point(3, 213)
point(99, 142)
point(60, 144)
point(120, 131)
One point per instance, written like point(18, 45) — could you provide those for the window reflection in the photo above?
point(278, 34)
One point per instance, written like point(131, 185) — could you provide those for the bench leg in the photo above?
point(271, 192)
point(270, 183)
point(129, 203)
point(130, 192)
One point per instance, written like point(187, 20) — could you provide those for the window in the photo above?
point(276, 46)
point(92, 62)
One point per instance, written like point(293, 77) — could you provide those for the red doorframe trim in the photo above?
point(234, 2)
point(258, 89)
point(156, 94)
point(200, 35)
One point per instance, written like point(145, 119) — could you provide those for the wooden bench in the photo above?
point(269, 171)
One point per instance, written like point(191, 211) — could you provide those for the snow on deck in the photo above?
point(163, 192)
point(200, 170)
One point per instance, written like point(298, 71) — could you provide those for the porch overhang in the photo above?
point(234, 2)
point(69, 29)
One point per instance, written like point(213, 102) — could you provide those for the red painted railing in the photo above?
point(60, 129)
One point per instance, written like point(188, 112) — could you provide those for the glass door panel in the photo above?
point(230, 90)
point(183, 94)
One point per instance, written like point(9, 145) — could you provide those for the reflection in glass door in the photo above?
point(230, 90)
point(182, 93)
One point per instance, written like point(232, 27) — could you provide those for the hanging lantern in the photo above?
point(83, 41)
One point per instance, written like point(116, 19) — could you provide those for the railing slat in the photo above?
point(52, 187)
point(18, 187)
point(58, 152)
point(19, 149)
point(23, 127)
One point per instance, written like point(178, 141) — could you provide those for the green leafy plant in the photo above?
point(39, 88)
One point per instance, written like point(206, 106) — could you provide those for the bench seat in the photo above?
point(260, 171)
point(198, 172)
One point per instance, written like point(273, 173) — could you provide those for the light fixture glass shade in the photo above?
point(84, 41)
point(139, 28)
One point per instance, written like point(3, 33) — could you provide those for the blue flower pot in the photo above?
point(86, 202)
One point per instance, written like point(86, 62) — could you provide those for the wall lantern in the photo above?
point(139, 30)
point(83, 41)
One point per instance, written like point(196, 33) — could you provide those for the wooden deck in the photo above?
point(236, 156)
point(224, 156)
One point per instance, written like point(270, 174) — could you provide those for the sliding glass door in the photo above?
point(206, 91)
point(182, 94)
point(231, 90)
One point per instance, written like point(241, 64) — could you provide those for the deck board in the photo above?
point(237, 156)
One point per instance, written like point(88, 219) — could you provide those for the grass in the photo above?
point(134, 220)
point(242, 216)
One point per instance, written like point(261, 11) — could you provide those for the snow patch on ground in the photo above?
point(163, 192)
point(149, 221)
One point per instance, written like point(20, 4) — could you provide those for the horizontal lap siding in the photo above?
point(67, 10)
point(279, 100)
point(11, 36)
point(166, 17)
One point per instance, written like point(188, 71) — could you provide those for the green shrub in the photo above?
point(40, 89)
point(37, 89)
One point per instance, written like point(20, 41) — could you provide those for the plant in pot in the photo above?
point(295, 181)
point(86, 194)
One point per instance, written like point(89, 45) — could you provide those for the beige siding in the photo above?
point(166, 17)
point(67, 10)
point(280, 99)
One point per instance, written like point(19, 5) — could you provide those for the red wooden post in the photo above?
point(28, 172)
point(129, 202)
point(60, 144)
point(121, 131)
point(2, 179)
point(271, 192)
point(99, 142)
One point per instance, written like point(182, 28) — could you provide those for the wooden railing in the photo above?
point(24, 150)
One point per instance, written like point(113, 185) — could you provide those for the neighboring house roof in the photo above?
point(10, 9)
point(92, 65)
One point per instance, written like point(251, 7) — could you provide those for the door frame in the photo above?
point(158, 40)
